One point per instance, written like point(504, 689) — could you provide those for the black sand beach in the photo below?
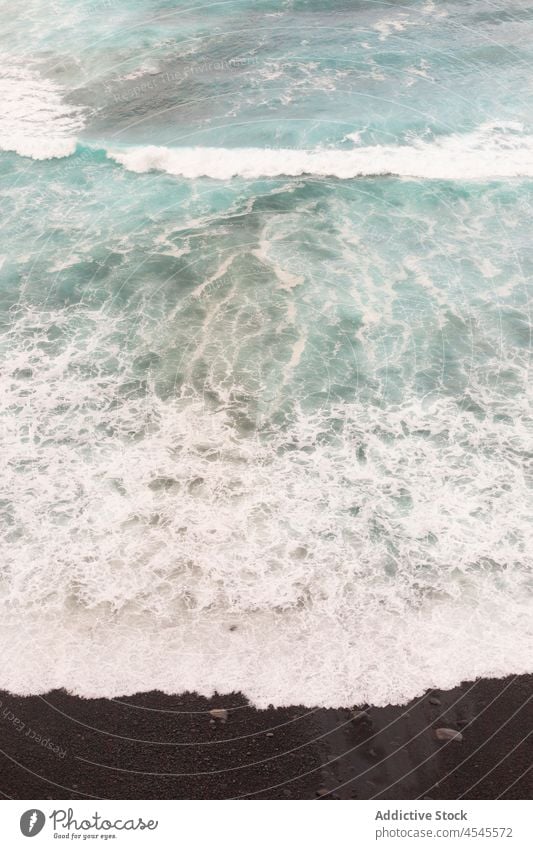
point(156, 746)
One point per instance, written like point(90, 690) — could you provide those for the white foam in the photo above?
point(492, 151)
point(35, 121)
point(137, 530)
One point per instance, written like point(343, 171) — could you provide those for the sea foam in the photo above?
point(357, 554)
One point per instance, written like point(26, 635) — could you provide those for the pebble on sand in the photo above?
point(359, 715)
point(219, 713)
point(448, 734)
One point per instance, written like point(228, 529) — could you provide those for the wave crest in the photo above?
point(492, 151)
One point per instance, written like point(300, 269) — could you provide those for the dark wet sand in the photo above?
point(157, 746)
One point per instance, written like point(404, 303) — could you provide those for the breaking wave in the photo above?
point(492, 151)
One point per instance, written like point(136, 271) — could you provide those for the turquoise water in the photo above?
point(265, 324)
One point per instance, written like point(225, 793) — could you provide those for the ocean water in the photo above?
point(265, 295)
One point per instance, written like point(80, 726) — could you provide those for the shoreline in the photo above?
point(156, 746)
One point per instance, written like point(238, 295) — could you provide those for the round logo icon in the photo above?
point(32, 822)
